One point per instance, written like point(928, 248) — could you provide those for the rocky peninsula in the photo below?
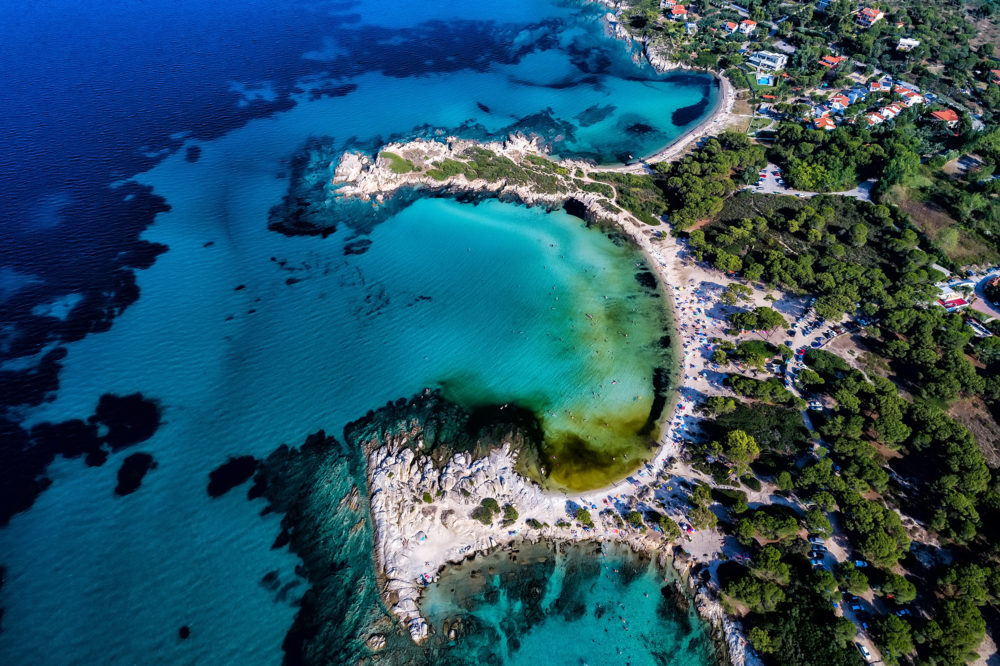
point(431, 508)
point(437, 501)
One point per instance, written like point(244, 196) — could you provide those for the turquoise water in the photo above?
point(249, 339)
point(571, 606)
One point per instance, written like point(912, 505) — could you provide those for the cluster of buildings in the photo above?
point(825, 115)
point(744, 27)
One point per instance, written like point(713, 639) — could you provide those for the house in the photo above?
point(667, 4)
point(890, 111)
point(909, 97)
point(691, 27)
point(747, 26)
point(830, 61)
point(729, 27)
point(824, 123)
point(769, 61)
point(947, 116)
point(868, 17)
point(882, 85)
point(678, 12)
point(855, 95)
point(995, 76)
point(952, 301)
point(874, 119)
point(839, 102)
point(907, 44)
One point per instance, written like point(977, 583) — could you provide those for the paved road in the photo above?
point(983, 304)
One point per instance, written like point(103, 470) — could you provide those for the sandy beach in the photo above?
point(415, 538)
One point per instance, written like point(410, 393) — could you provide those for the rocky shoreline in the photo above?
point(516, 170)
point(422, 516)
point(416, 538)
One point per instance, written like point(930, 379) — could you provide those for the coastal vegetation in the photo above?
point(396, 163)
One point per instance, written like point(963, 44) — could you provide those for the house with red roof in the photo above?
point(729, 27)
point(824, 123)
point(830, 61)
point(839, 102)
point(678, 12)
point(891, 111)
point(955, 302)
point(909, 97)
point(874, 119)
point(995, 76)
point(868, 17)
point(747, 26)
point(947, 116)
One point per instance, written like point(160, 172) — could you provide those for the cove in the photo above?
point(248, 339)
point(576, 604)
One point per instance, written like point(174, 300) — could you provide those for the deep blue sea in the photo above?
point(146, 307)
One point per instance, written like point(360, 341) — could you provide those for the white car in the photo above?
point(865, 652)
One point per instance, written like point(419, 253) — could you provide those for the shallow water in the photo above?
point(248, 339)
point(569, 606)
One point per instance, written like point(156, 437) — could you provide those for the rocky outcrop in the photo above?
point(517, 170)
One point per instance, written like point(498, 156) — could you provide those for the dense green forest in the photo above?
point(886, 461)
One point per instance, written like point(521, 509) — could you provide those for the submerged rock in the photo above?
point(230, 474)
point(132, 472)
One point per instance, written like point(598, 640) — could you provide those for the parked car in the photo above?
point(865, 652)
point(903, 612)
point(860, 564)
point(817, 540)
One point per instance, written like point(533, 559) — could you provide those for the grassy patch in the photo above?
point(959, 244)
point(637, 194)
point(396, 163)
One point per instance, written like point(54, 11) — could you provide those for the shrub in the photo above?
point(427, 497)
point(509, 514)
point(583, 516)
point(483, 515)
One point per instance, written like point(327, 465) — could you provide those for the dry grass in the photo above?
point(974, 415)
point(933, 221)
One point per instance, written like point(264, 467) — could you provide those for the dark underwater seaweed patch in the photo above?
point(230, 474)
point(132, 472)
point(124, 420)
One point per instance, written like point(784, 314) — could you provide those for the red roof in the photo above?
point(953, 303)
point(730, 26)
point(748, 22)
point(996, 74)
point(948, 115)
point(824, 123)
point(678, 10)
point(769, 97)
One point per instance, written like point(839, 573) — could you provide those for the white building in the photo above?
point(769, 61)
